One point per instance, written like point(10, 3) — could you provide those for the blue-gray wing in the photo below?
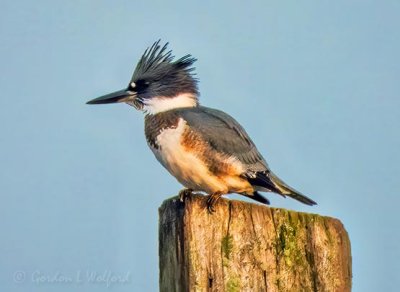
point(225, 135)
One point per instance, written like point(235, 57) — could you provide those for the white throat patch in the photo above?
point(161, 104)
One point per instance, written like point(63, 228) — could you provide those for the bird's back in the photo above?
point(224, 135)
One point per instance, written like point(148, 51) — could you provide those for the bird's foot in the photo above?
point(211, 201)
point(185, 193)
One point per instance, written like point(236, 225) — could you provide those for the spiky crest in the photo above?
point(157, 61)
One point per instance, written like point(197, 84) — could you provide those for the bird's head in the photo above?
point(158, 83)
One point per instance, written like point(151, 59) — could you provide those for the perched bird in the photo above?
point(203, 148)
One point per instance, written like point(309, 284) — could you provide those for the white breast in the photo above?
point(184, 165)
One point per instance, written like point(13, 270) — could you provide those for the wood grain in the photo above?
point(249, 247)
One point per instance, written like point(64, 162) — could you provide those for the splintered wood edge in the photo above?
point(224, 202)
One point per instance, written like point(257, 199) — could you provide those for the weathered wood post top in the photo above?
point(249, 247)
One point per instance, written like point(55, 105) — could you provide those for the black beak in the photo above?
point(123, 95)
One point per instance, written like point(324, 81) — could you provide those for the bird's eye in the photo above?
point(139, 84)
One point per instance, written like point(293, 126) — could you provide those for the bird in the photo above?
point(205, 149)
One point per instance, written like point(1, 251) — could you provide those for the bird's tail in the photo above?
point(286, 190)
point(257, 197)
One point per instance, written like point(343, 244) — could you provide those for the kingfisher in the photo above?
point(205, 149)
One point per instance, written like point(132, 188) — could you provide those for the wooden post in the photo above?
point(249, 247)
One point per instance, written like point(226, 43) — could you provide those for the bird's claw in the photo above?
point(211, 201)
point(185, 193)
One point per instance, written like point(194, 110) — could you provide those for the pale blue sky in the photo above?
point(315, 83)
